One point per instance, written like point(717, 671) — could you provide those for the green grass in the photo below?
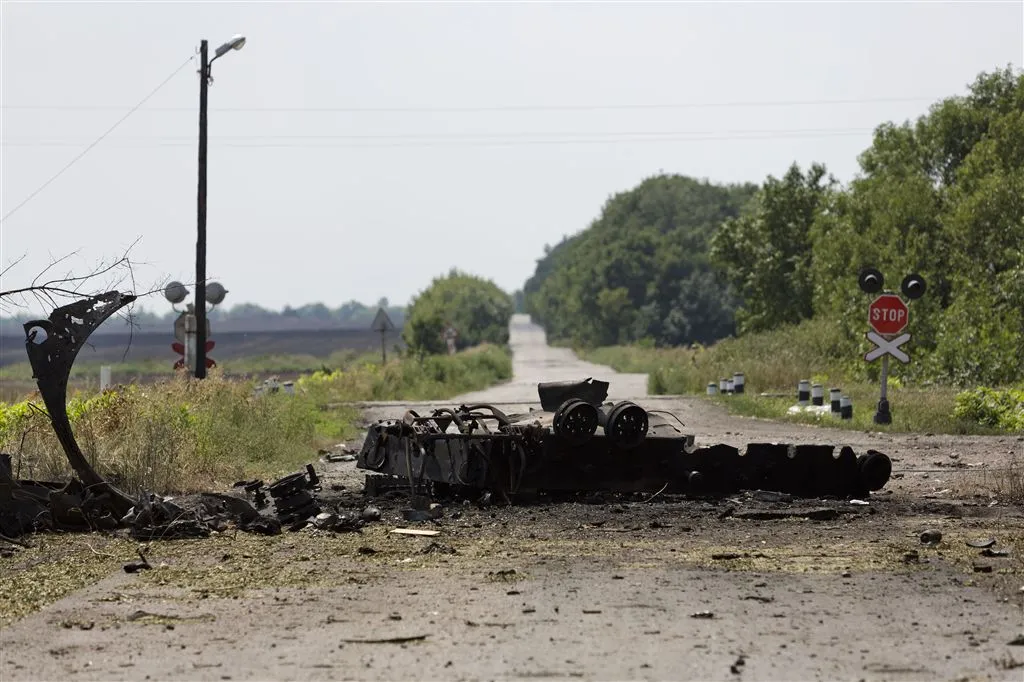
point(16, 379)
point(775, 362)
point(913, 410)
point(179, 435)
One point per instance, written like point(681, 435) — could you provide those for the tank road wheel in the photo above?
point(626, 424)
point(875, 469)
point(575, 421)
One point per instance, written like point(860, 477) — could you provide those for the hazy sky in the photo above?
point(510, 124)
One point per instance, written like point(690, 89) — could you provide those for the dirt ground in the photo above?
point(597, 588)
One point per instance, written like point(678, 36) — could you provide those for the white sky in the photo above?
point(329, 206)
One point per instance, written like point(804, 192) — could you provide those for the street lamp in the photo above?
point(206, 64)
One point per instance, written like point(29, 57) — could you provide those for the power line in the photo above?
point(483, 109)
point(780, 135)
point(457, 136)
point(85, 151)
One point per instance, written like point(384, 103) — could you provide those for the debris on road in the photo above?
point(387, 640)
point(415, 531)
point(931, 537)
point(981, 544)
point(576, 444)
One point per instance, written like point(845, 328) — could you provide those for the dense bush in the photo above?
point(476, 307)
point(1001, 409)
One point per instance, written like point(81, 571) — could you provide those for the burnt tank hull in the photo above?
point(577, 442)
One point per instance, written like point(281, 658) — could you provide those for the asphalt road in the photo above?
point(534, 361)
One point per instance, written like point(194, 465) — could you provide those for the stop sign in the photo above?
point(888, 314)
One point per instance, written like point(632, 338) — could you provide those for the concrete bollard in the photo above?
point(834, 395)
point(738, 382)
point(803, 392)
point(730, 386)
point(289, 387)
point(723, 385)
point(712, 388)
point(104, 377)
point(817, 394)
point(846, 407)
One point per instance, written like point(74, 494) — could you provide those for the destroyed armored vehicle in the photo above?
point(578, 442)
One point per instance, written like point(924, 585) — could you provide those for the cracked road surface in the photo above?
point(614, 589)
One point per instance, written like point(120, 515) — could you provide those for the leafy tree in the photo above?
point(624, 277)
point(765, 253)
point(476, 307)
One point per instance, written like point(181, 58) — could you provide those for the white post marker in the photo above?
point(729, 386)
point(723, 385)
point(803, 392)
point(817, 394)
point(738, 382)
point(104, 377)
point(846, 407)
point(834, 395)
point(712, 388)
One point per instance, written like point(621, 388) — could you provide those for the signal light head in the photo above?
point(913, 286)
point(870, 280)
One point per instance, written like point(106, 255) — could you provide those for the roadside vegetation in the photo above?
point(180, 435)
point(648, 282)
point(175, 434)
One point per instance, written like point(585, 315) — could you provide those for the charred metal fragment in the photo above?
point(52, 346)
point(578, 446)
point(292, 498)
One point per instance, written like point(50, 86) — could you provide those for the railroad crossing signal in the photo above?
point(887, 347)
point(179, 348)
point(888, 314)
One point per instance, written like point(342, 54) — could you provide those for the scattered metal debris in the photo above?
point(292, 498)
point(989, 552)
point(931, 537)
point(578, 443)
point(135, 566)
point(981, 544)
point(52, 346)
point(387, 640)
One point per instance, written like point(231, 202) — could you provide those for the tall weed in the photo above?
point(180, 435)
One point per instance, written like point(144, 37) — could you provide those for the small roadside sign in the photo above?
point(382, 323)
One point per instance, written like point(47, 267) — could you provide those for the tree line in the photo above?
point(676, 260)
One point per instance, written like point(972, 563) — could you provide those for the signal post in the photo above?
point(888, 315)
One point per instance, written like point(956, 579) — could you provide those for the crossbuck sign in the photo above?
point(887, 347)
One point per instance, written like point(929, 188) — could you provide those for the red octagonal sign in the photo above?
point(888, 314)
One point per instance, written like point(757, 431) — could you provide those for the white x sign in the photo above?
point(887, 346)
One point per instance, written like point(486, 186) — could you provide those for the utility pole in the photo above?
point(205, 63)
point(200, 298)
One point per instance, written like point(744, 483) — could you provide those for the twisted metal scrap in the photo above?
point(66, 331)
